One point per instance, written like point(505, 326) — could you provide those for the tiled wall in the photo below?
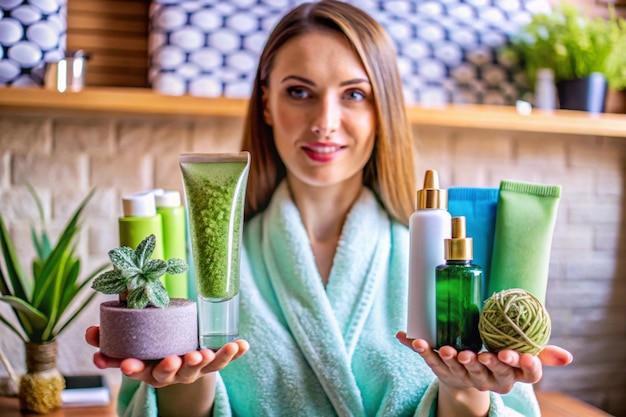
point(64, 157)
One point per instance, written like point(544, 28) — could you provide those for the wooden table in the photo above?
point(553, 404)
point(9, 407)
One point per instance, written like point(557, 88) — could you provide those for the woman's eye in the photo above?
point(297, 92)
point(355, 95)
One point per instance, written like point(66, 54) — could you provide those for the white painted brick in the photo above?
point(482, 146)
point(598, 321)
point(574, 237)
point(596, 152)
point(19, 203)
point(128, 173)
point(609, 213)
point(588, 297)
point(574, 183)
point(25, 134)
point(467, 174)
point(167, 174)
point(5, 170)
point(431, 146)
point(90, 135)
point(55, 170)
point(598, 269)
point(147, 137)
point(579, 377)
point(103, 236)
point(217, 135)
point(540, 150)
point(609, 182)
point(607, 237)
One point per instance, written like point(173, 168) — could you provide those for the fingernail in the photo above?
point(419, 350)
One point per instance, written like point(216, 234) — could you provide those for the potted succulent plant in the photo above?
point(144, 323)
point(579, 50)
point(43, 305)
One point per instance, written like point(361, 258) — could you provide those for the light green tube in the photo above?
point(174, 238)
point(215, 186)
point(525, 220)
point(140, 220)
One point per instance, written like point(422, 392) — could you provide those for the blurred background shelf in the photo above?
point(145, 102)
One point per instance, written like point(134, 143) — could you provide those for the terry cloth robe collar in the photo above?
point(326, 322)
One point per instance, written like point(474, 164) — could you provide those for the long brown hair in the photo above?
point(389, 172)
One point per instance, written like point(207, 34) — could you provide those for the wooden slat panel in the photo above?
point(105, 41)
point(119, 61)
point(137, 8)
point(117, 79)
point(119, 24)
point(115, 34)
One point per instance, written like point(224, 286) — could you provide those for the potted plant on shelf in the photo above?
point(43, 305)
point(144, 323)
point(581, 52)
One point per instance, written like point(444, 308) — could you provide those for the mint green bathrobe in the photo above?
point(325, 351)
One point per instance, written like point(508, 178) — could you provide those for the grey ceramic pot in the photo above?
point(148, 333)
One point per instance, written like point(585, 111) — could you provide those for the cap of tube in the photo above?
point(168, 198)
point(431, 196)
point(139, 205)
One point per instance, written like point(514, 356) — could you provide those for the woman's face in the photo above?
point(320, 105)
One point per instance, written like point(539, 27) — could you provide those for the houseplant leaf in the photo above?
point(19, 283)
point(54, 286)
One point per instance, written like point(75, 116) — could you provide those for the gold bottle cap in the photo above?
point(460, 247)
point(431, 196)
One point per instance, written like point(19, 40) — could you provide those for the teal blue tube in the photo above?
point(478, 205)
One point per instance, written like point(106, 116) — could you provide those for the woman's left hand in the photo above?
point(486, 371)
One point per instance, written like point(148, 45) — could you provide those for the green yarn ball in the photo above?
point(514, 319)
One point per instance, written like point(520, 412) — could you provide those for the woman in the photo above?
point(324, 268)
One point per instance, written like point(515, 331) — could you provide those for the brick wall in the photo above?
point(65, 157)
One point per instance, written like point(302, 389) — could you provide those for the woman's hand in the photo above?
point(172, 369)
point(486, 371)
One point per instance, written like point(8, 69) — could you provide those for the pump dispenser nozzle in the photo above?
point(431, 196)
point(460, 247)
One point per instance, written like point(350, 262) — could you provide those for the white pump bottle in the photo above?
point(429, 226)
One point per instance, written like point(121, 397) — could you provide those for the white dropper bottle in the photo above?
point(429, 226)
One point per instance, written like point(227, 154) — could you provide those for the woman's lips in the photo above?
point(323, 152)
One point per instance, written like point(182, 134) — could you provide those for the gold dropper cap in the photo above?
point(460, 247)
point(431, 196)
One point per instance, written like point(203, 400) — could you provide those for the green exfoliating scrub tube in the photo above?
point(215, 186)
point(525, 220)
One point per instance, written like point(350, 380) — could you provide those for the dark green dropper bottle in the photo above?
point(458, 289)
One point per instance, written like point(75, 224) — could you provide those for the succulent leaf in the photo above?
point(123, 258)
point(154, 269)
point(144, 250)
point(176, 266)
point(138, 298)
point(110, 282)
point(136, 273)
point(158, 295)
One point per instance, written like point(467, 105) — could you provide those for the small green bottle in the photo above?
point(458, 289)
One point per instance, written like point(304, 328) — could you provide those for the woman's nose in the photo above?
point(326, 118)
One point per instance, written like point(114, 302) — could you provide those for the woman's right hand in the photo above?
point(172, 369)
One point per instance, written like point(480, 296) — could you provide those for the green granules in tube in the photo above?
point(214, 191)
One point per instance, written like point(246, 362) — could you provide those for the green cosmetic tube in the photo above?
point(174, 238)
point(525, 220)
point(215, 186)
point(140, 219)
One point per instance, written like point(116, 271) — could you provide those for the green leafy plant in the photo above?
point(137, 277)
point(41, 303)
point(572, 45)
